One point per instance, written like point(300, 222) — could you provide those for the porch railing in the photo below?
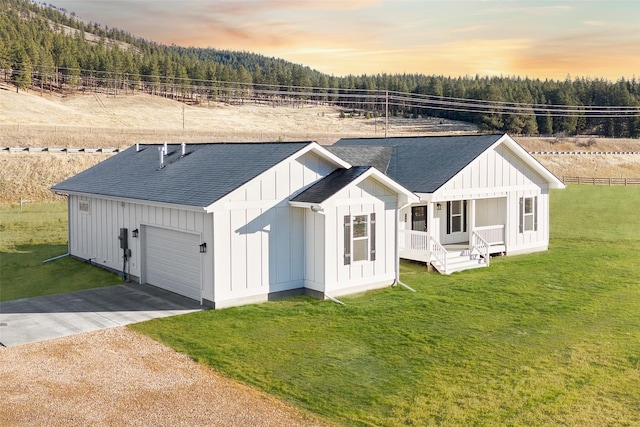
point(414, 240)
point(439, 253)
point(482, 246)
point(492, 234)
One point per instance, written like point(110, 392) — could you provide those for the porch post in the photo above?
point(472, 219)
point(430, 224)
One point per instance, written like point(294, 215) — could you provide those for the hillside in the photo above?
point(95, 120)
point(49, 49)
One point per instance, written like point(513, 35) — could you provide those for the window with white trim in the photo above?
point(359, 238)
point(528, 214)
point(456, 216)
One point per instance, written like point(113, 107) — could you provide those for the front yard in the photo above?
point(550, 338)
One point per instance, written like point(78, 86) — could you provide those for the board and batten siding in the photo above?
point(365, 198)
point(316, 240)
point(259, 238)
point(492, 174)
point(93, 234)
point(497, 175)
point(528, 241)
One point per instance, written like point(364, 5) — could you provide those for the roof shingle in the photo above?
point(204, 175)
point(330, 185)
point(420, 164)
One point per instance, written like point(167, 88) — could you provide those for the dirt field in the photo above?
point(117, 377)
point(99, 121)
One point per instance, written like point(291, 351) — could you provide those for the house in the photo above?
point(230, 224)
point(479, 195)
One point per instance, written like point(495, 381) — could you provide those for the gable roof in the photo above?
point(330, 185)
point(205, 174)
point(421, 164)
point(325, 188)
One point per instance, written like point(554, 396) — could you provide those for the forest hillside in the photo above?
point(49, 49)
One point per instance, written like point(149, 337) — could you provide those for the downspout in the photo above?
point(337, 301)
point(398, 281)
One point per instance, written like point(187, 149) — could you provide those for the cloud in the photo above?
point(547, 39)
point(253, 7)
point(469, 29)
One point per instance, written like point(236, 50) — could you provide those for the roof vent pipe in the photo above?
point(137, 147)
point(166, 150)
point(184, 149)
point(161, 151)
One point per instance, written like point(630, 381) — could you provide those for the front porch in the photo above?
point(448, 258)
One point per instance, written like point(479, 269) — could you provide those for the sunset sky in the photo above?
point(537, 39)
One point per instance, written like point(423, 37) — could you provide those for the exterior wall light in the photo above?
point(134, 233)
point(439, 206)
point(203, 248)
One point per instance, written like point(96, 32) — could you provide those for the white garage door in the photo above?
point(173, 261)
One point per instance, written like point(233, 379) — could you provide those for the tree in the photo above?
point(545, 124)
point(491, 119)
point(20, 68)
point(151, 74)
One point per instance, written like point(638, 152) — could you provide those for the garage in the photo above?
point(172, 261)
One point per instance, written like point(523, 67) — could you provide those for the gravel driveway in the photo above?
point(117, 377)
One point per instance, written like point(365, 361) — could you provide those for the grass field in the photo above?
point(545, 339)
point(28, 237)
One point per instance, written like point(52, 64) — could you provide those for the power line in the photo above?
point(375, 98)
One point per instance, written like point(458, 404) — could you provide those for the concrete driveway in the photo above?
point(36, 319)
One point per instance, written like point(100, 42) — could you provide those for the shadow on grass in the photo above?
point(25, 275)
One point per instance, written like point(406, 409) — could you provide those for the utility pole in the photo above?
point(386, 113)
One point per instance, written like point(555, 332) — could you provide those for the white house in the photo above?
point(479, 195)
point(229, 224)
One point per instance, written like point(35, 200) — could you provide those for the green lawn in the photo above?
point(36, 233)
point(545, 339)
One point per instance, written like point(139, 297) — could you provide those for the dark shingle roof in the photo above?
point(378, 157)
point(421, 164)
point(330, 185)
point(207, 173)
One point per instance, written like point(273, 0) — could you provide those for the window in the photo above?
point(359, 238)
point(419, 218)
point(456, 216)
point(528, 214)
point(83, 206)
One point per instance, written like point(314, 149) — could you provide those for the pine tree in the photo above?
point(21, 68)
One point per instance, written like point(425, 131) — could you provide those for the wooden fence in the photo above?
point(579, 153)
point(57, 150)
point(600, 181)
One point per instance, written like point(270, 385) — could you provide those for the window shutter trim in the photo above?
point(521, 215)
point(347, 239)
point(448, 217)
point(372, 222)
point(535, 213)
point(464, 216)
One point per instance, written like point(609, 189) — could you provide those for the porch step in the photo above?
point(460, 260)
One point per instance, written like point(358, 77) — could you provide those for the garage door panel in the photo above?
point(173, 261)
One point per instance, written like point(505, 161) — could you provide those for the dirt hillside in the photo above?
point(98, 120)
